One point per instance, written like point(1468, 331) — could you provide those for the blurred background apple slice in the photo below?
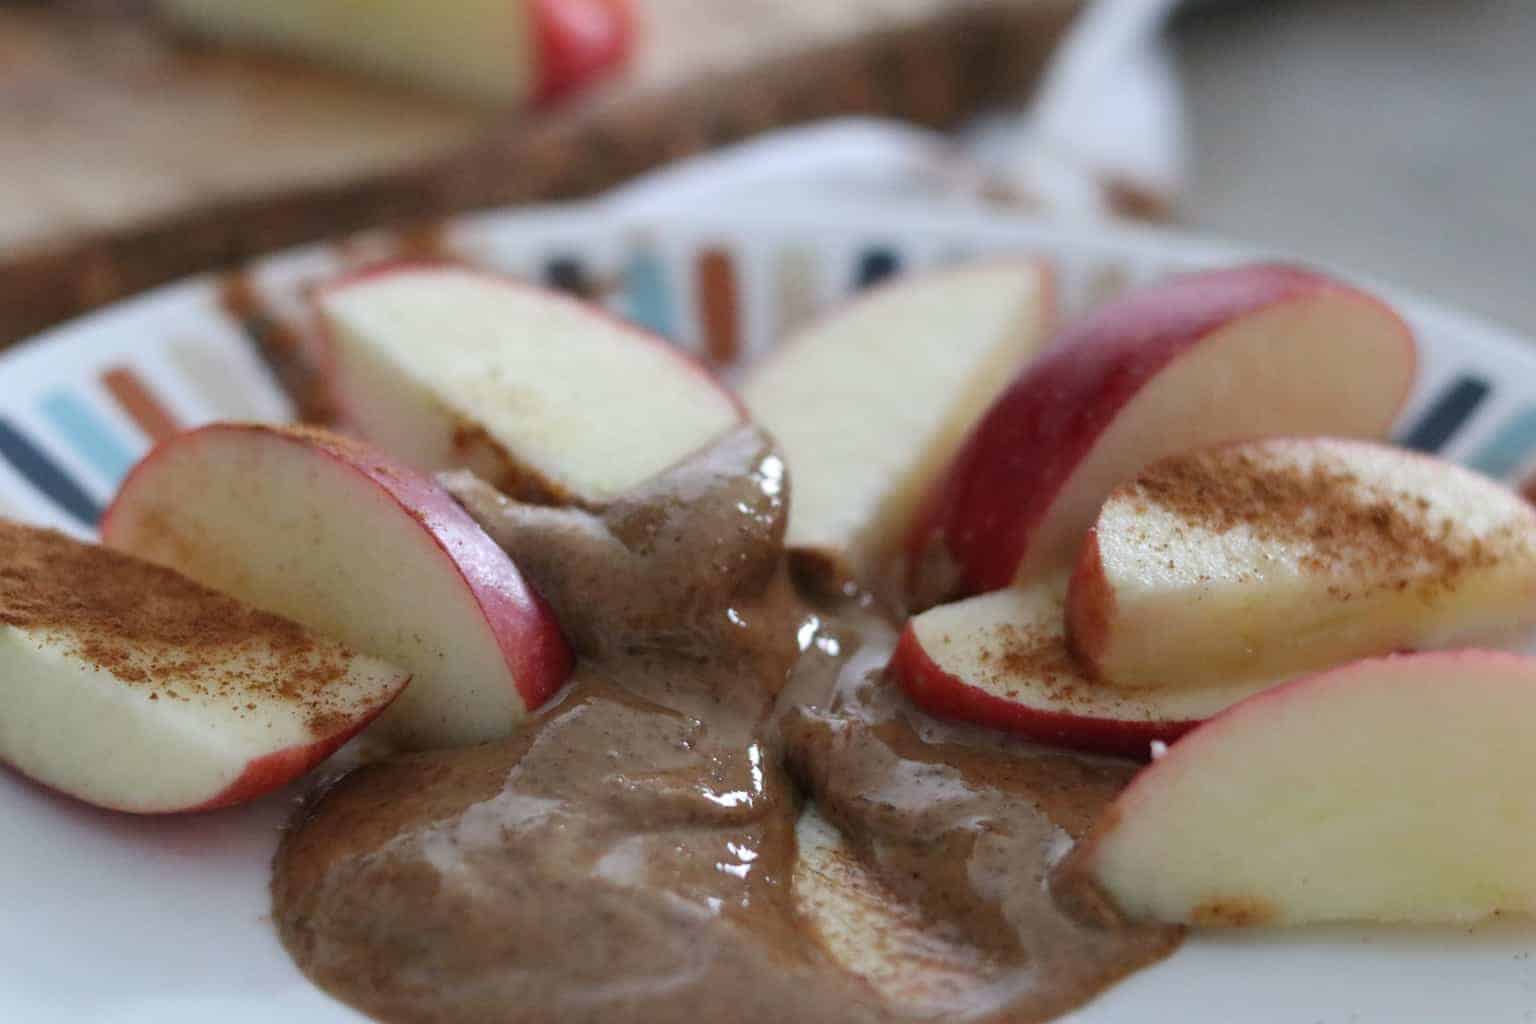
point(497, 51)
point(1001, 661)
point(352, 543)
point(1273, 558)
point(133, 688)
point(546, 398)
point(870, 404)
point(1196, 360)
point(1398, 789)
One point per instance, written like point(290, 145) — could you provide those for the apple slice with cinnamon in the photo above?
point(1273, 558)
point(348, 541)
point(131, 687)
point(1196, 360)
point(1001, 660)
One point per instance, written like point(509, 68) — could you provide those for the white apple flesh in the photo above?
point(1001, 660)
point(870, 404)
point(1273, 558)
point(133, 688)
point(546, 398)
point(342, 538)
point(1197, 360)
point(1397, 789)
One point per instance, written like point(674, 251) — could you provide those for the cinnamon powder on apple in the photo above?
point(1344, 528)
point(154, 628)
point(1036, 653)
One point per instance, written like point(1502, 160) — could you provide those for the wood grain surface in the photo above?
point(128, 159)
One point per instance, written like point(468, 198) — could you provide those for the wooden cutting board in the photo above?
point(128, 159)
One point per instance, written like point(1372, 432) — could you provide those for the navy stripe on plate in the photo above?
point(568, 275)
point(1447, 414)
point(46, 475)
point(875, 265)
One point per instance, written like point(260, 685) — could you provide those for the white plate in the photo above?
point(109, 918)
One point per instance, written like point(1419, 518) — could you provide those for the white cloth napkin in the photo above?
point(1103, 137)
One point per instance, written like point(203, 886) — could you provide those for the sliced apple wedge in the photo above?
point(133, 688)
point(1001, 661)
point(1394, 789)
point(352, 543)
point(1198, 360)
point(1274, 558)
point(870, 404)
point(545, 398)
point(872, 932)
point(500, 51)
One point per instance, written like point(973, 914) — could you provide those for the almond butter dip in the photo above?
point(630, 855)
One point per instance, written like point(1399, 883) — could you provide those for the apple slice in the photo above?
point(1394, 789)
point(873, 933)
point(500, 51)
point(351, 543)
point(545, 398)
point(1273, 558)
point(870, 404)
point(1198, 360)
point(133, 688)
point(1001, 661)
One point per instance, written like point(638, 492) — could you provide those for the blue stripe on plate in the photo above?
point(648, 293)
point(45, 475)
point(875, 265)
point(88, 434)
point(1448, 414)
point(1508, 449)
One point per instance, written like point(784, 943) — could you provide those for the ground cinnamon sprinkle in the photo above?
point(1347, 528)
point(1038, 654)
point(152, 627)
point(1032, 653)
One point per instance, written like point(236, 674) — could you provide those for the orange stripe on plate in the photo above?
point(135, 398)
point(719, 303)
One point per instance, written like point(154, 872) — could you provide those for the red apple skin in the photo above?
point(946, 696)
point(277, 769)
point(336, 389)
point(1008, 473)
point(525, 627)
point(579, 42)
